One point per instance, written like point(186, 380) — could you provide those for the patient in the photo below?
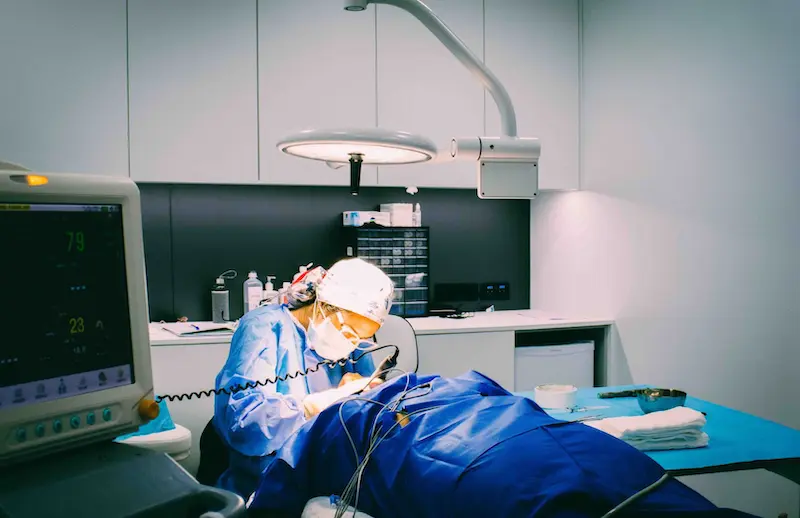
point(464, 447)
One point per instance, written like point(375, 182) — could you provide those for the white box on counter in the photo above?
point(402, 214)
point(397, 207)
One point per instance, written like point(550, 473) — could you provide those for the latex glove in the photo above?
point(312, 406)
point(319, 401)
point(352, 376)
point(315, 403)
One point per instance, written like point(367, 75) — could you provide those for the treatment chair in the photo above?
point(395, 331)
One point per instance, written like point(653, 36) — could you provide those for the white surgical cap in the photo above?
point(357, 286)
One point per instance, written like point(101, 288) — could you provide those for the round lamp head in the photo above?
point(372, 145)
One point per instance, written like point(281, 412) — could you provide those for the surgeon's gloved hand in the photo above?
point(352, 376)
point(315, 403)
point(319, 401)
point(312, 406)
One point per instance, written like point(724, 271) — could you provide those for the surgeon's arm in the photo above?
point(257, 420)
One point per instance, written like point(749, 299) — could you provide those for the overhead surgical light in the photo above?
point(507, 165)
point(359, 146)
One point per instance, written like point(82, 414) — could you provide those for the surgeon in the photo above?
point(329, 315)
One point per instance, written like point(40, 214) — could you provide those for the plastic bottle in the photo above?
point(416, 217)
point(270, 293)
point(253, 289)
point(220, 302)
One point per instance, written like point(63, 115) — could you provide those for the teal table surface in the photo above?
point(737, 440)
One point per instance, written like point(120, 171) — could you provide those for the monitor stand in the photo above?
point(110, 479)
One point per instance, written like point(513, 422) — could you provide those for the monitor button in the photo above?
point(21, 435)
point(75, 422)
point(90, 418)
point(39, 430)
point(106, 415)
point(57, 426)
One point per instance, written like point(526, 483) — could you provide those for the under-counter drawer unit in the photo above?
point(569, 364)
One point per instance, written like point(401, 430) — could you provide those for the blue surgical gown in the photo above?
point(468, 448)
point(269, 342)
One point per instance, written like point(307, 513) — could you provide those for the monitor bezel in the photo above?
point(67, 188)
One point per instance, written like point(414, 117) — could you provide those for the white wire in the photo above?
point(400, 399)
point(355, 480)
point(357, 477)
point(374, 447)
point(374, 442)
point(344, 425)
point(401, 395)
point(353, 398)
point(360, 464)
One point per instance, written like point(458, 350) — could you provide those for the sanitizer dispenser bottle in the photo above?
point(270, 293)
point(253, 289)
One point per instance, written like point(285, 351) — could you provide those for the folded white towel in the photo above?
point(676, 428)
point(688, 440)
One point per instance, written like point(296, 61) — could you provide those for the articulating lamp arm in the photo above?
point(457, 47)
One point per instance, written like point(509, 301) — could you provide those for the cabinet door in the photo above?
point(423, 88)
point(179, 369)
point(316, 71)
point(491, 354)
point(63, 98)
point(193, 111)
point(534, 49)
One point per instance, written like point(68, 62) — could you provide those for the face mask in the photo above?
point(329, 342)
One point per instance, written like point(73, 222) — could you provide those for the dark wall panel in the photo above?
point(156, 223)
point(274, 229)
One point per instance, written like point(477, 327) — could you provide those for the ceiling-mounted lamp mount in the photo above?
point(356, 159)
point(355, 5)
point(507, 165)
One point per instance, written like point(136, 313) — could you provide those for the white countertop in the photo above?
point(159, 336)
point(514, 320)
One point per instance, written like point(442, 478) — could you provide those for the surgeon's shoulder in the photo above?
point(275, 312)
point(264, 317)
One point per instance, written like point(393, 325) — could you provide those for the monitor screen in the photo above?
point(64, 319)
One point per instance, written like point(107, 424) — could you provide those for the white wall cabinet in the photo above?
point(316, 70)
point(205, 89)
point(193, 91)
point(423, 88)
point(534, 49)
point(63, 104)
point(490, 353)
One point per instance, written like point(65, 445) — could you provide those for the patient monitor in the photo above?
point(74, 348)
point(75, 356)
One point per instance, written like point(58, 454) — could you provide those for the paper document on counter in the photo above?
point(198, 328)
